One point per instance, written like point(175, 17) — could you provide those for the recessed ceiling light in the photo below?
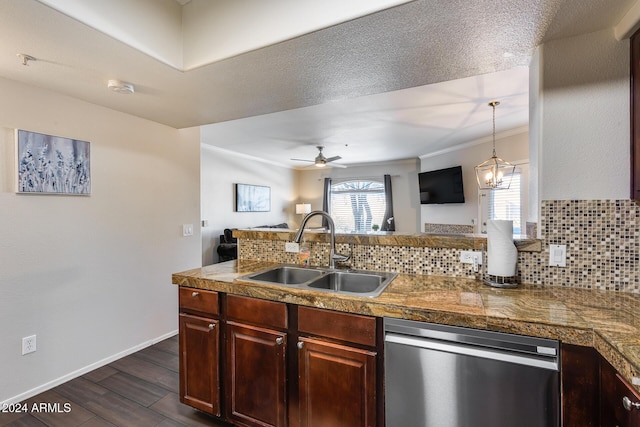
point(508, 55)
point(121, 87)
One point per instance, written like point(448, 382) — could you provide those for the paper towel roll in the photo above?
point(502, 254)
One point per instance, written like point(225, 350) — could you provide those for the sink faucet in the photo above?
point(333, 255)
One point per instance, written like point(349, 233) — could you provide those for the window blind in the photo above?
point(506, 204)
point(357, 205)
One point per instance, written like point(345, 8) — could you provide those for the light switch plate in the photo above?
point(558, 255)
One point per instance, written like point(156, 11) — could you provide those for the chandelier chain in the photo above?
point(493, 105)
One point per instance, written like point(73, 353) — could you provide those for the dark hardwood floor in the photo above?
point(139, 390)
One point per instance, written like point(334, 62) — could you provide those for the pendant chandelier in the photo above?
point(495, 173)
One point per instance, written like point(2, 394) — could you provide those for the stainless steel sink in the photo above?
point(369, 284)
point(285, 275)
point(361, 283)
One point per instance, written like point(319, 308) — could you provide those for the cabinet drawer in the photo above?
point(191, 299)
point(257, 311)
point(348, 327)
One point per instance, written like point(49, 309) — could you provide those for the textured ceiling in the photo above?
point(408, 46)
point(390, 126)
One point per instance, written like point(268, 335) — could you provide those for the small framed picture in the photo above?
point(48, 164)
point(253, 198)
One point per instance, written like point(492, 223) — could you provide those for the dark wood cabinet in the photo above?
point(337, 365)
point(256, 376)
point(635, 116)
point(613, 390)
point(199, 378)
point(580, 386)
point(337, 384)
point(593, 392)
point(256, 363)
point(199, 345)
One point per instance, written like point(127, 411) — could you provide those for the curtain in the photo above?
point(388, 223)
point(326, 197)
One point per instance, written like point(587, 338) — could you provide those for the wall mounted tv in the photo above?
point(441, 186)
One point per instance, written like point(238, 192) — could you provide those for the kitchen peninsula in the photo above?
point(449, 293)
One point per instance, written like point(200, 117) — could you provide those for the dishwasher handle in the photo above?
point(550, 363)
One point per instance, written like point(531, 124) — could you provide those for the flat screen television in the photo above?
point(441, 186)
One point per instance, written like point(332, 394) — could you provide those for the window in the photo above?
point(505, 204)
point(508, 204)
point(357, 205)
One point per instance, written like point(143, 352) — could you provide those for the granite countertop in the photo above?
point(608, 321)
point(389, 238)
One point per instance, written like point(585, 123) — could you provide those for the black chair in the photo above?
point(228, 247)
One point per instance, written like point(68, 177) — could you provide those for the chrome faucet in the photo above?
point(333, 255)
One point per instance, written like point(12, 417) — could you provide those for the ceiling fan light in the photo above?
point(320, 164)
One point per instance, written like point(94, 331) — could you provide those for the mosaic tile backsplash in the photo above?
point(602, 239)
point(448, 228)
point(603, 245)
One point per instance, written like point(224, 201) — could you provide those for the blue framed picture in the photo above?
point(253, 198)
point(50, 164)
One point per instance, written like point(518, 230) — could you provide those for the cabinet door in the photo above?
point(635, 116)
point(613, 390)
point(199, 378)
point(580, 386)
point(337, 385)
point(256, 376)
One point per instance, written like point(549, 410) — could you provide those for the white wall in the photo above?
point(512, 148)
point(404, 185)
point(215, 30)
point(91, 276)
point(220, 171)
point(151, 26)
point(535, 128)
point(584, 143)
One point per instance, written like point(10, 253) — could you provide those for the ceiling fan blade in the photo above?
point(337, 165)
point(303, 160)
point(332, 159)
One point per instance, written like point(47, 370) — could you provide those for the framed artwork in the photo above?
point(253, 198)
point(48, 164)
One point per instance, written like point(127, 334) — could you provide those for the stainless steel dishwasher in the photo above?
point(444, 376)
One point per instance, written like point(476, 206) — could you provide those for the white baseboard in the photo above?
point(75, 374)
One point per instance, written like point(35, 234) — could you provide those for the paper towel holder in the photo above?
point(500, 281)
point(504, 282)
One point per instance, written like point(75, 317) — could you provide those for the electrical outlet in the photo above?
point(471, 257)
point(28, 344)
point(291, 247)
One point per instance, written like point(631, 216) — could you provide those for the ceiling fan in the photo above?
point(322, 161)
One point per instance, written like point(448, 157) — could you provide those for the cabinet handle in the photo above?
point(212, 325)
point(300, 344)
point(629, 405)
point(279, 340)
point(195, 294)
